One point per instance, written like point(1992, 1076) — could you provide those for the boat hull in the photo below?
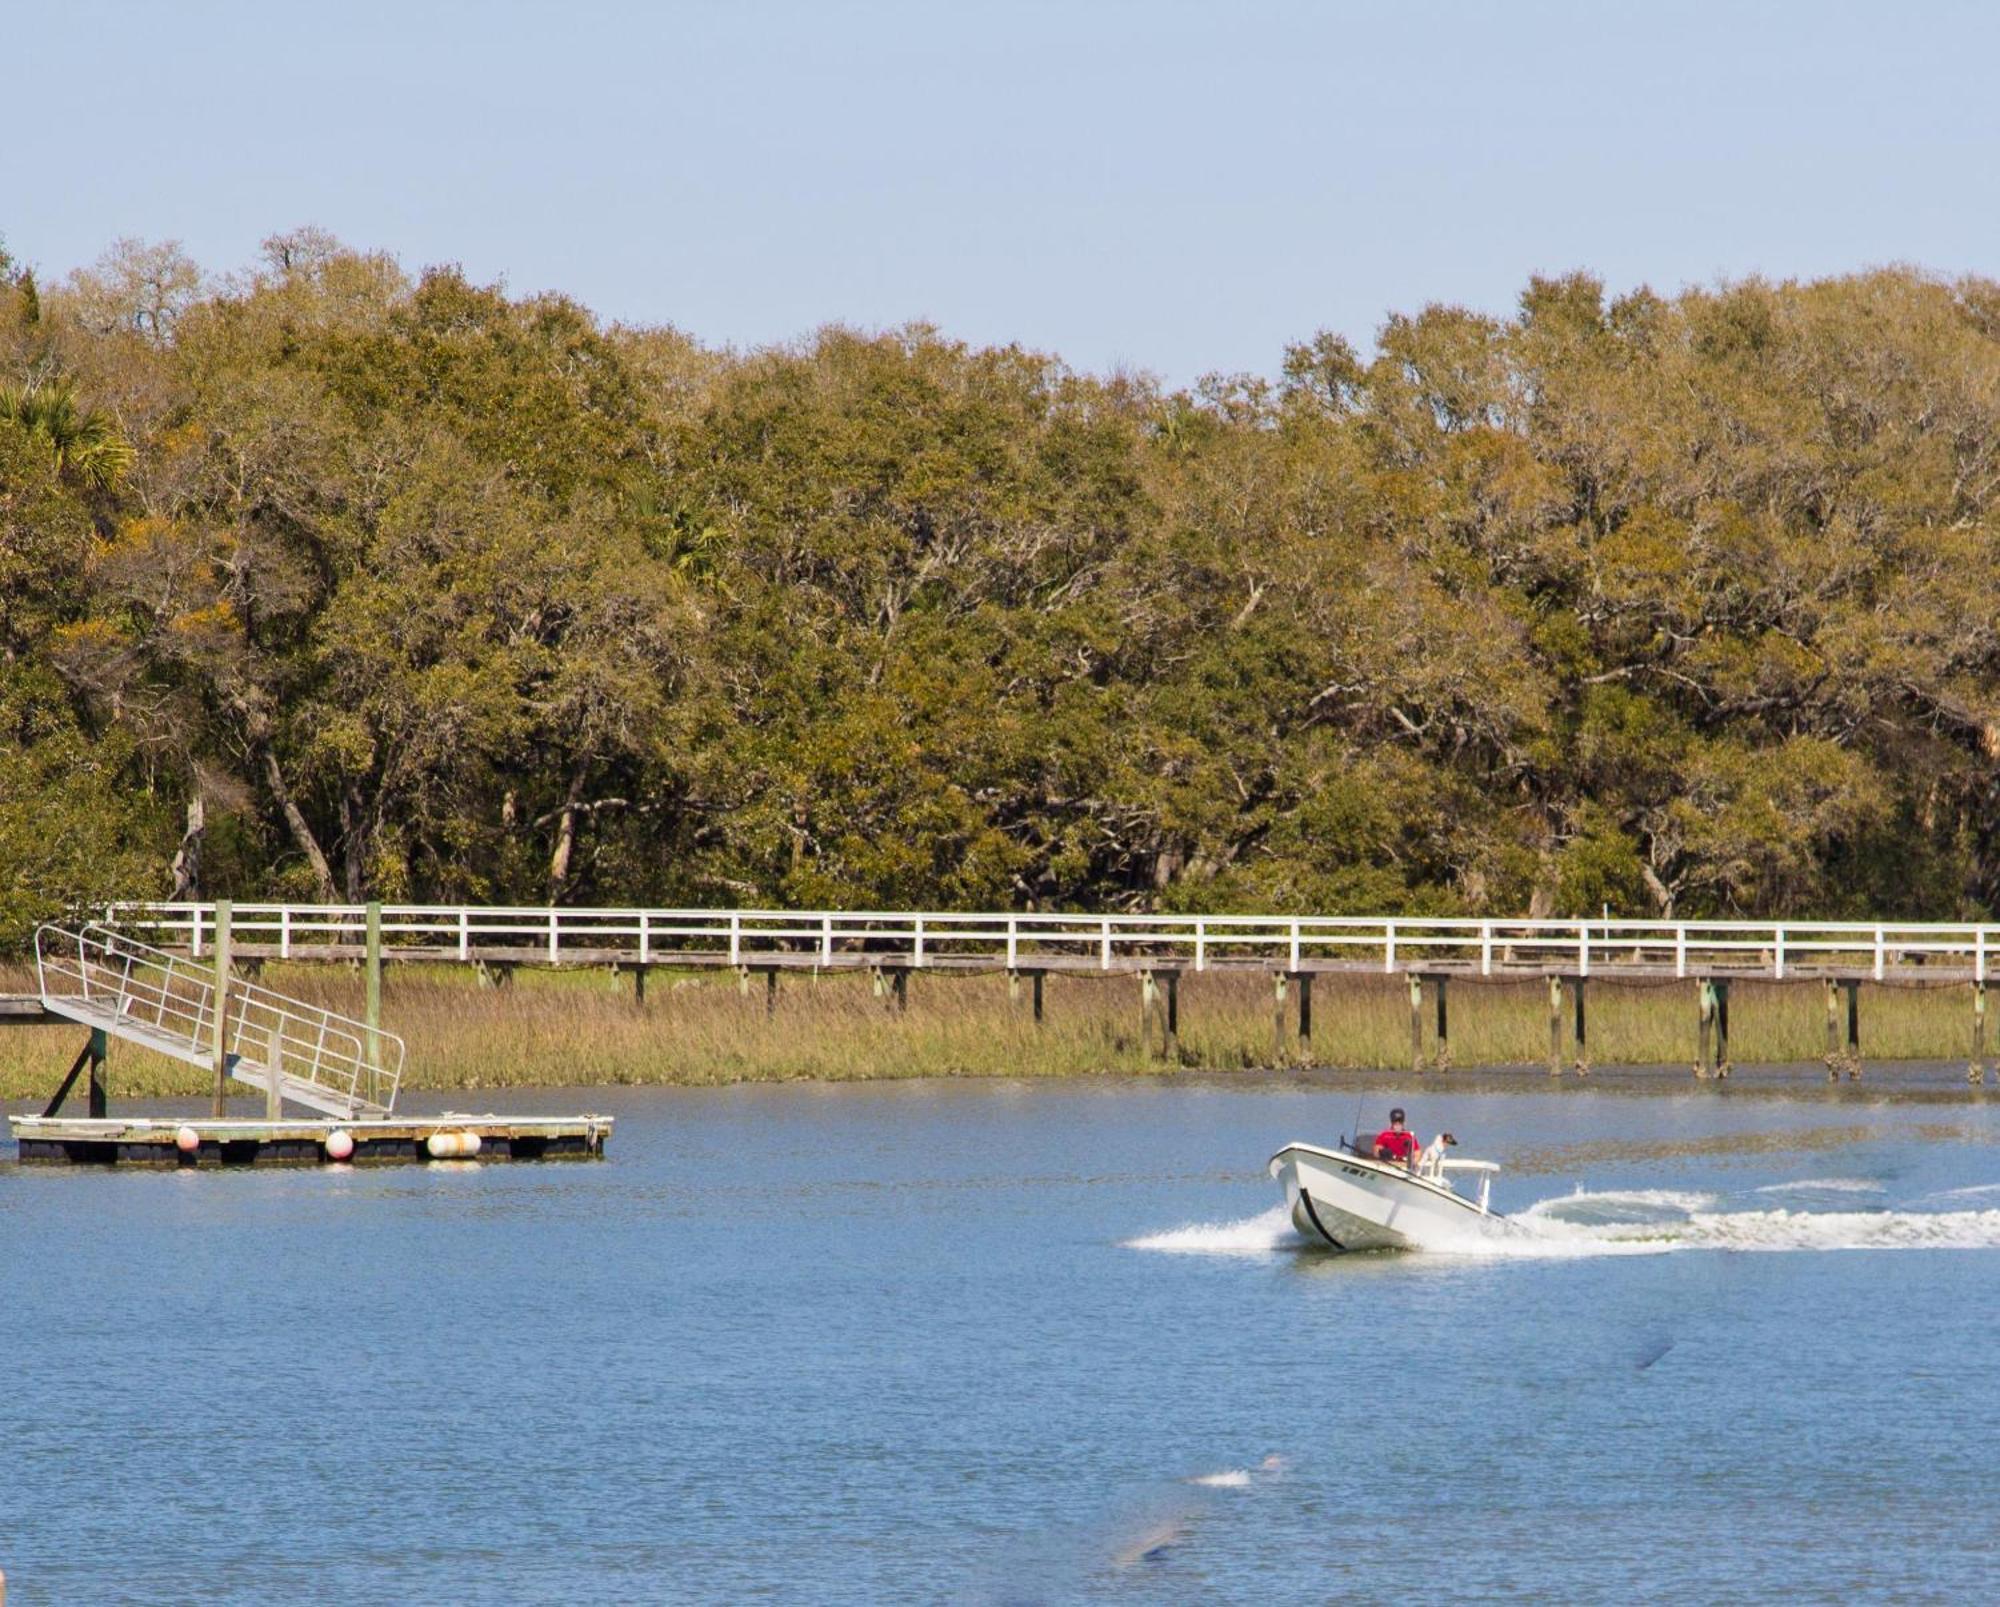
point(1346, 1202)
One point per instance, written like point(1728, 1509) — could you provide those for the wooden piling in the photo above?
point(639, 986)
point(770, 992)
point(373, 1014)
point(1853, 1030)
point(1038, 978)
point(100, 1089)
point(274, 1061)
point(1149, 999)
point(1305, 982)
point(218, 1106)
point(1721, 1029)
point(1704, 1006)
point(1832, 1030)
point(1555, 1026)
point(1976, 1073)
point(1173, 1042)
point(1416, 1022)
point(1582, 1035)
point(1443, 1059)
point(1279, 982)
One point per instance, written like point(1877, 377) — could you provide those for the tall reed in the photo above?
point(583, 1027)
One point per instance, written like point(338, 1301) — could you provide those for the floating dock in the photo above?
point(212, 1142)
point(346, 1073)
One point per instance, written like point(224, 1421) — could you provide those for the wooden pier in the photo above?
point(171, 1141)
point(893, 948)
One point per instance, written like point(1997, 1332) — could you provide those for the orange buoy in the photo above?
point(187, 1140)
point(339, 1144)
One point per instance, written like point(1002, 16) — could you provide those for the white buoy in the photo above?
point(442, 1146)
point(187, 1140)
point(339, 1144)
point(468, 1143)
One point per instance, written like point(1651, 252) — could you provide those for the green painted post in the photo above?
point(219, 1105)
point(374, 965)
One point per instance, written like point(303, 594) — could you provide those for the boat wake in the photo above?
point(1631, 1222)
point(1262, 1234)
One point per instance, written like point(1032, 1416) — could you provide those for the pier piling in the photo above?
point(373, 1014)
point(1853, 1029)
point(1443, 1060)
point(1704, 1009)
point(1416, 1022)
point(1173, 1044)
point(1280, 980)
point(1721, 1029)
point(100, 1079)
point(1149, 1001)
point(1976, 1073)
point(95, 1048)
point(218, 1106)
point(274, 1067)
point(1555, 1026)
point(1582, 1034)
point(1305, 981)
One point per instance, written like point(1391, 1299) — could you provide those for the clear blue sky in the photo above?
point(1175, 187)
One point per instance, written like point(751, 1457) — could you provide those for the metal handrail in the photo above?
point(1398, 943)
point(168, 1000)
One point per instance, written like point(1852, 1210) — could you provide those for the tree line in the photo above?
point(326, 582)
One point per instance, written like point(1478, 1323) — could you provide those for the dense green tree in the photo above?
point(420, 590)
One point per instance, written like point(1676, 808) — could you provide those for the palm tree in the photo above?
point(87, 446)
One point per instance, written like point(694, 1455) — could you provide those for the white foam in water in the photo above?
point(1618, 1205)
point(1252, 1235)
point(1233, 1479)
point(1976, 1190)
point(1824, 1185)
point(1632, 1222)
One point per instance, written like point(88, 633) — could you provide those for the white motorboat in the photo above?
point(1348, 1200)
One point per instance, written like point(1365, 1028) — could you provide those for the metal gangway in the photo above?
point(130, 990)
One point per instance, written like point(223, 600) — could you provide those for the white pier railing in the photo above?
point(953, 939)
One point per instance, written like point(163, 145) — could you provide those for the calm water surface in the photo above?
point(1018, 1343)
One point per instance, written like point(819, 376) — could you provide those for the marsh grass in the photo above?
point(582, 1028)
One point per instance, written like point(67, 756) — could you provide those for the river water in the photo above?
point(1019, 1343)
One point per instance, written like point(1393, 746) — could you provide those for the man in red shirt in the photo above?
point(1396, 1142)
